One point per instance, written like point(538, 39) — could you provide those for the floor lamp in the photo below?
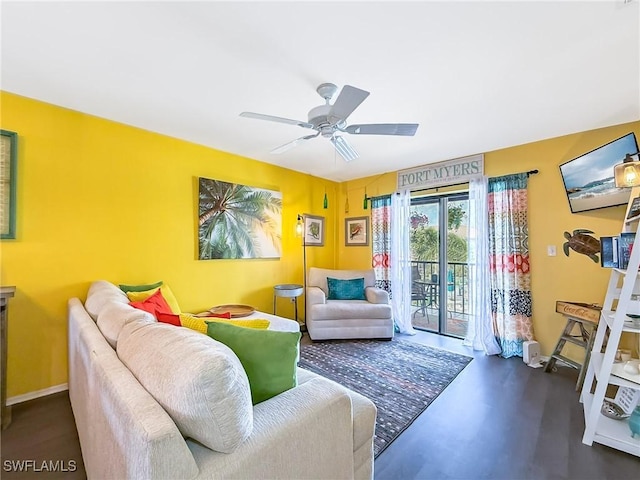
point(300, 233)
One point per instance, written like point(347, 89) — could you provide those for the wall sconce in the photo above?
point(627, 173)
point(366, 199)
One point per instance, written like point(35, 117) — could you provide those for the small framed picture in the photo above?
point(313, 231)
point(8, 160)
point(356, 231)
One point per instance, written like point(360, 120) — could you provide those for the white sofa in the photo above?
point(317, 429)
point(344, 319)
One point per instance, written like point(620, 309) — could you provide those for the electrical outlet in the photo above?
point(551, 250)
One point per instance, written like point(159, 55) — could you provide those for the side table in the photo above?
point(5, 294)
point(288, 290)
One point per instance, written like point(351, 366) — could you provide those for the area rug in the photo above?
point(401, 377)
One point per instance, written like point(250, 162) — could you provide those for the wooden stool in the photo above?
point(584, 340)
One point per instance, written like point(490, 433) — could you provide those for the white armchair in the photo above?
point(341, 319)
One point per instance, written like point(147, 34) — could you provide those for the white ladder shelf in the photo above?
point(598, 428)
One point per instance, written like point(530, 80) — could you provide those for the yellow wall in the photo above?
point(573, 278)
point(98, 199)
point(101, 200)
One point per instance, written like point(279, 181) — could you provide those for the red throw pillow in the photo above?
point(171, 318)
point(155, 305)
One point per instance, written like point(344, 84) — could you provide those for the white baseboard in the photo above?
point(37, 394)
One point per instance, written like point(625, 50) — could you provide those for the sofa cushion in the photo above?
point(352, 289)
point(198, 381)
point(351, 309)
point(115, 315)
point(269, 357)
point(100, 294)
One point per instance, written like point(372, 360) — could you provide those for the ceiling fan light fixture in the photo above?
point(343, 147)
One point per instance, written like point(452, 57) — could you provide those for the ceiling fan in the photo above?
point(331, 120)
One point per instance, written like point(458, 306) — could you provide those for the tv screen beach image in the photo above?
point(588, 179)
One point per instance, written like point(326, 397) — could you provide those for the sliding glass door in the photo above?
point(438, 240)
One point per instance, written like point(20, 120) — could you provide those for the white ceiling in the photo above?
point(477, 76)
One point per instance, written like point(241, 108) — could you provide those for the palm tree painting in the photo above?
point(237, 221)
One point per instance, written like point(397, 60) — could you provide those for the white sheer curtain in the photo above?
point(480, 334)
point(401, 262)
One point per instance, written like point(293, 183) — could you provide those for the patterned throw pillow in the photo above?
point(346, 289)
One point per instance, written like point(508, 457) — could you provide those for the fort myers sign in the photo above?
point(451, 172)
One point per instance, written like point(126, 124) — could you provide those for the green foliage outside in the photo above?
point(456, 215)
point(424, 245)
point(424, 238)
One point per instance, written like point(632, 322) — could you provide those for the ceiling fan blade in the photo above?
point(407, 129)
point(289, 145)
point(343, 147)
point(271, 118)
point(348, 100)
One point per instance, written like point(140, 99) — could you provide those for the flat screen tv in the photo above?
point(588, 179)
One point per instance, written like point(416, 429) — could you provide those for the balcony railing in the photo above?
point(457, 297)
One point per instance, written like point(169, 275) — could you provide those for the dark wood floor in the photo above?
point(499, 419)
point(42, 441)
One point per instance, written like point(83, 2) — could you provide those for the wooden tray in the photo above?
point(236, 311)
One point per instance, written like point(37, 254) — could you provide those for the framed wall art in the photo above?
point(8, 161)
point(238, 221)
point(356, 231)
point(313, 231)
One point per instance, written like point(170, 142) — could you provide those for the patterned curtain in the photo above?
point(510, 277)
point(381, 238)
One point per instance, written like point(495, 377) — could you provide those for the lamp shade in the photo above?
point(627, 173)
point(299, 226)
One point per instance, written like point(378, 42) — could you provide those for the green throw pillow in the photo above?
point(269, 357)
point(346, 289)
point(139, 288)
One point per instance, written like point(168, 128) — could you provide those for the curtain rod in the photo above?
point(532, 172)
